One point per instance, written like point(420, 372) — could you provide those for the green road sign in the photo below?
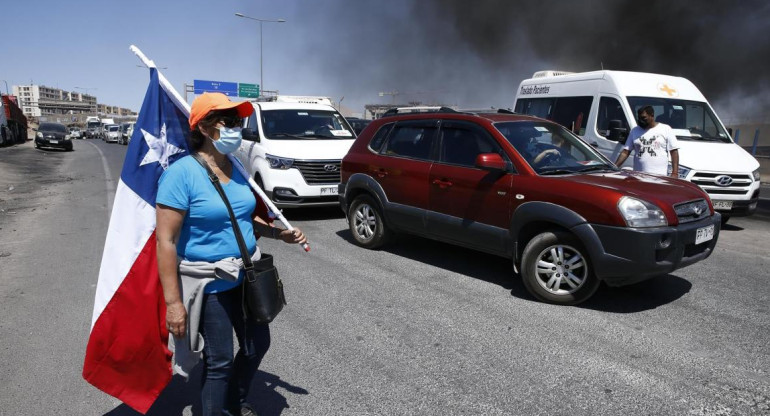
point(248, 90)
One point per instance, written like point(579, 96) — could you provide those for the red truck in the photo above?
point(13, 123)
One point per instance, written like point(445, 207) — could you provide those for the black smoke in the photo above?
point(474, 53)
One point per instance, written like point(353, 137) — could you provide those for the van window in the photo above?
point(538, 107)
point(414, 140)
point(609, 109)
point(305, 124)
point(570, 112)
point(693, 119)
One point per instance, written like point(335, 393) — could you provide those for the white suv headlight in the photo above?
point(279, 162)
point(756, 175)
point(639, 213)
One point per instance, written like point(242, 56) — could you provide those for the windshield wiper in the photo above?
point(555, 171)
point(293, 136)
point(596, 167)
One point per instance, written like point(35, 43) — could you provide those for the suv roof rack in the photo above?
point(421, 109)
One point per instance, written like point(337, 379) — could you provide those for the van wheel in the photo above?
point(555, 269)
point(367, 223)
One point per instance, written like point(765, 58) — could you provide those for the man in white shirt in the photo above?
point(652, 143)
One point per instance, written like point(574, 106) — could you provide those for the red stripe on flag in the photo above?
point(127, 354)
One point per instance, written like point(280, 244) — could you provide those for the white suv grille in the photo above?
point(723, 183)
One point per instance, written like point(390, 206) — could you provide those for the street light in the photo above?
point(261, 81)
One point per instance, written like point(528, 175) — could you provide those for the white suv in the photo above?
point(293, 147)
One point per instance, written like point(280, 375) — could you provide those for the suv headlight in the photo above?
point(756, 175)
point(279, 162)
point(639, 213)
point(39, 135)
point(683, 171)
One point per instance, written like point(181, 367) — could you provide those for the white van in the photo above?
point(601, 107)
point(293, 146)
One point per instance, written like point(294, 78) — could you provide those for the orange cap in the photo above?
point(210, 101)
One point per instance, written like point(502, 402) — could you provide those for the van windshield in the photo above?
point(93, 124)
point(551, 149)
point(304, 124)
point(691, 120)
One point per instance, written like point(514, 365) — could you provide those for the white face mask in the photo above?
point(229, 140)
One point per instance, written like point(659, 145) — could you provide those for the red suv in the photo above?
point(526, 189)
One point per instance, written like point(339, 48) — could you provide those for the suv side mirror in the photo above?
point(618, 133)
point(490, 161)
point(248, 134)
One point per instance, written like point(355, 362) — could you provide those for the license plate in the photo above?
point(723, 205)
point(704, 234)
point(332, 190)
point(53, 141)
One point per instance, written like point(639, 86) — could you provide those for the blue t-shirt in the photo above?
point(207, 234)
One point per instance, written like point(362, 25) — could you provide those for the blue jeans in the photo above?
point(227, 378)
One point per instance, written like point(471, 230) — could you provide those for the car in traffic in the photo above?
point(124, 133)
point(111, 133)
point(75, 133)
point(357, 124)
point(293, 147)
point(53, 135)
point(526, 189)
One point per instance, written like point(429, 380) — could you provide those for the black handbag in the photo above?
point(263, 296)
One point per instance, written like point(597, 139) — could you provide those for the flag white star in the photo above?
point(160, 149)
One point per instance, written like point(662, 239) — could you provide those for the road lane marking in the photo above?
point(109, 182)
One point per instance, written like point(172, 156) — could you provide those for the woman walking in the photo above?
point(193, 226)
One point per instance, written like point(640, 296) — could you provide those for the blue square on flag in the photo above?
point(159, 138)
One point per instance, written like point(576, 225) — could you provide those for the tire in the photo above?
point(367, 224)
point(544, 262)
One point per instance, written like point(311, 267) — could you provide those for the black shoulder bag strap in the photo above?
point(248, 265)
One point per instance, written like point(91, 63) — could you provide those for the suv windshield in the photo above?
point(304, 124)
point(113, 128)
point(691, 120)
point(59, 128)
point(551, 149)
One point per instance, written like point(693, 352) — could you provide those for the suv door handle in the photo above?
point(442, 183)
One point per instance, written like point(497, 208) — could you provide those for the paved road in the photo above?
point(418, 328)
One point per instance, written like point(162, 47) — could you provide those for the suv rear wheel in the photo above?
point(555, 269)
point(367, 223)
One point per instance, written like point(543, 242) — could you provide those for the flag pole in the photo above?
point(185, 108)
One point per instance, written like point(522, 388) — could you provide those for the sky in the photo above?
point(471, 54)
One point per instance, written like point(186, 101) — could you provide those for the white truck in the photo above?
point(601, 106)
point(93, 127)
point(293, 147)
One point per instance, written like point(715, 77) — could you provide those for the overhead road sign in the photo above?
point(229, 89)
point(248, 90)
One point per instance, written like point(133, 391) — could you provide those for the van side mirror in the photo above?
point(618, 133)
point(248, 134)
point(490, 161)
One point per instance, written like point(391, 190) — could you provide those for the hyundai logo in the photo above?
point(723, 180)
point(331, 168)
point(696, 209)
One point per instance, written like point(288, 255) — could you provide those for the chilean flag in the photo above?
point(127, 354)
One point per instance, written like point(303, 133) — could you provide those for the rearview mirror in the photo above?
point(248, 134)
point(490, 161)
point(618, 133)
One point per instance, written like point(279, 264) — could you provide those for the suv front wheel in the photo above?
point(555, 269)
point(367, 223)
